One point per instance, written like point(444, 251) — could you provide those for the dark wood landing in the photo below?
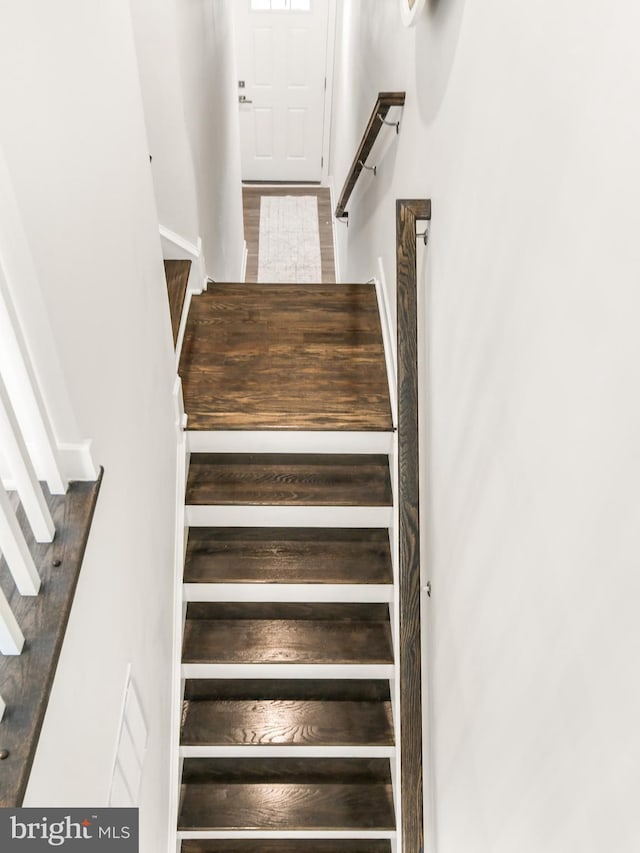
point(276, 722)
point(287, 633)
point(286, 845)
point(287, 555)
point(286, 793)
point(285, 356)
point(26, 679)
point(177, 275)
point(274, 479)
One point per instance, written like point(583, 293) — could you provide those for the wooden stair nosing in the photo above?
point(360, 690)
point(286, 845)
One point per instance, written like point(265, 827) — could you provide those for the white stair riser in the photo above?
point(284, 441)
point(311, 833)
point(363, 593)
point(287, 516)
point(285, 670)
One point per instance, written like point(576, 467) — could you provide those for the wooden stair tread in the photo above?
point(286, 356)
point(285, 806)
point(317, 771)
point(286, 794)
point(294, 689)
point(287, 845)
point(287, 722)
point(287, 555)
point(177, 275)
point(268, 479)
point(287, 641)
point(239, 632)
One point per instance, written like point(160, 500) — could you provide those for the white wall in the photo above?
point(160, 78)
point(522, 126)
point(187, 68)
point(209, 79)
point(73, 133)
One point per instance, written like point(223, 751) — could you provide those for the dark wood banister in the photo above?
point(408, 212)
point(385, 101)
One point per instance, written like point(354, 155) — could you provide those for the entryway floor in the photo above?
point(251, 195)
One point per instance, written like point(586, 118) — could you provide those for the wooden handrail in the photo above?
point(408, 212)
point(385, 101)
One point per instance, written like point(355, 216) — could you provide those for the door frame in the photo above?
point(332, 25)
point(329, 73)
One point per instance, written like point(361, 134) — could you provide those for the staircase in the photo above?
point(288, 734)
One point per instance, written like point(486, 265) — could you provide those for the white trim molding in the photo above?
point(77, 462)
point(243, 266)
point(334, 229)
point(410, 9)
point(389, 339)
point(176, 247)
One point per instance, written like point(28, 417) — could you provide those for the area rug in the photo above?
point(289, 246)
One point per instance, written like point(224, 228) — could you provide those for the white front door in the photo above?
point(281, 52)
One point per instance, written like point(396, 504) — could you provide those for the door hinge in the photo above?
point(325, 84)
point(321, 162)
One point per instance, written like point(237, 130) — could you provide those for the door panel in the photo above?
point(281, 59)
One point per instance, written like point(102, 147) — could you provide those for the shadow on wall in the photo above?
point(437, 33)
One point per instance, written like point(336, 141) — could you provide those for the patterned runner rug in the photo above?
point(289, 247)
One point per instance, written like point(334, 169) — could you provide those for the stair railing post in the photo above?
point(408, 213)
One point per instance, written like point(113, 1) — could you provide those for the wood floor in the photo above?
point(287, 555)
point(251, 205)
point(296, 479)
point(27, 678)
point(285, 356)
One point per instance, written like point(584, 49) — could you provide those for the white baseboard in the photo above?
point(198, 278)
point(336, 253)
point(183, 324)
point(245, 255)
point(76, 461)
point(176, 247)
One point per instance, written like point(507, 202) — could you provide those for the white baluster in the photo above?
point(26, 483)
point(25, 394)
point(15, 549)
point(11, 638)
point(2, 708)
